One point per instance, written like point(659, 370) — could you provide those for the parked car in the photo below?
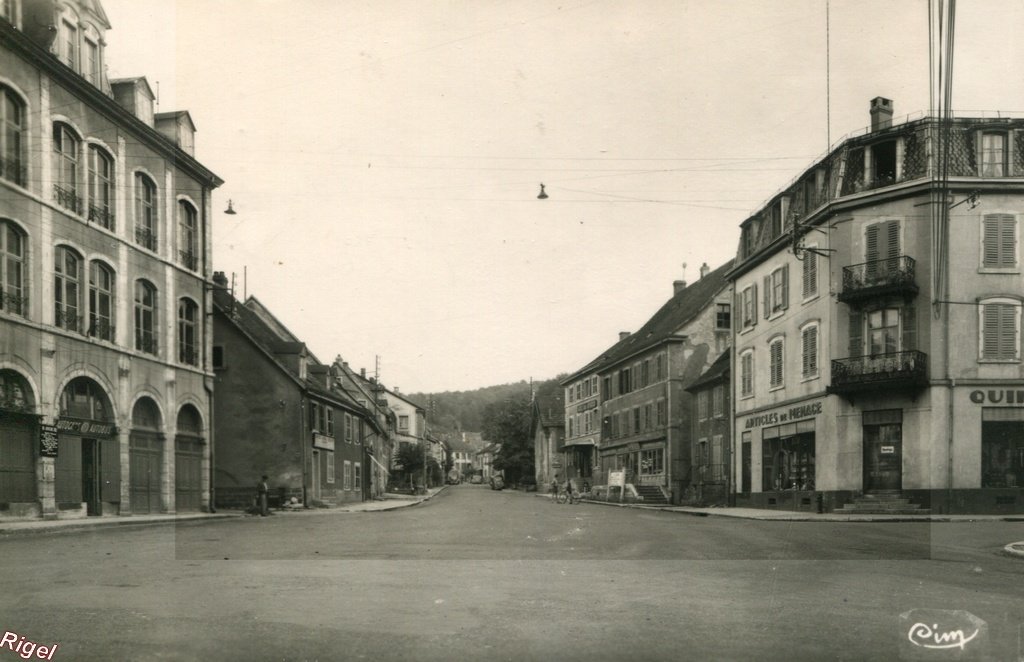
point(477, 479)
point(497, 483)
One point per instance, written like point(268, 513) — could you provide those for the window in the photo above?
point(1002, 447)
point(13, 297)
point(67, 294)
point(347, 475)
point(662, 410)
point(12, 137)
point(606, 383)
point(652, 461)
point(747, 373)
point(65, 168)
point(188, 332)
point(357, 476)
point(625, 384)
point(645, 372)
point(330, 466)
point(68, 45)
point(883, 164)
point(748, 306)
point(883, 331)
point(403, 423)
point(101, 301)
point(993, 154)
point(101, 188)
point(636, 420)
point(314, 416)
point(145, 317)
point(188, 244)
point(788, 457)
point(775, 363)
point(809, 350)
point(999, 241)
point(702, 405)
point(579, 390)
point(718, 401)
point(218, 357)
point(882, 243)
point(999, 323)
point(348, 428)
point(723, 318)
point(328, 421)
point(810, 273)
point(648, 417)
point(776, 291)
point(659, 367)
point(145, 212)
point(593, 385)
point(91, 65)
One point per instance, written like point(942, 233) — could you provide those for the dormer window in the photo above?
point(882, 167)
point(9, 11)
point(994, 154)
point(91, 63)
point(68, 43)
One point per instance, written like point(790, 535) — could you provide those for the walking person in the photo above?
point(261, 495)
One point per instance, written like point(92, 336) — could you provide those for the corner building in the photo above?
point(105, 387)
point(877, 354)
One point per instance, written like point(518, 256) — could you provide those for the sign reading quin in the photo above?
point(48, 443)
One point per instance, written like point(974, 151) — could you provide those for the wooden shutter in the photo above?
point(999, 331)
point(767, 295)
point(871, 237)
point(737, 312)
point(753, 304)
point(810, 273)
point(809, 349)
point(999, 240)
point(785, 286)
point(909, 328)
point(892, 240)
point(856, 334)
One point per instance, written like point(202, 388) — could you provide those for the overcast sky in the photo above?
point(384, 156)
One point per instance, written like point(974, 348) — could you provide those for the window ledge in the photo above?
point(998, 270)
point(775, 315)
point(776, 388)
point(810, 378)
point(1000, 361)
point(813, 297)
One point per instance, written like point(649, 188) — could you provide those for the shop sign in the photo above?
point(616, 479)
point(48, 442)
point(784, 415)
point(888, 450)
point(323, 441)
point(91, 428)
point(586, 406)
point(998, 397)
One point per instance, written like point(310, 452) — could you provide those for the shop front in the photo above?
point(88, 462)
point(19, 429)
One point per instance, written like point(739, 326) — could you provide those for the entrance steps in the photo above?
point(652, 495)
point(882, 503)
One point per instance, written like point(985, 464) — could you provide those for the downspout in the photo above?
point(302, 443)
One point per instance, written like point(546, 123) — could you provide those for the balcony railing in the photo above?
point(895, 275)
point(146, 237)
point(867, 373)
point(67, 320)
point(189, 259)
point(101, 215)
point(13, 170)
point(188, 355)
point(14, 303)
point(68, 199)
point(102, 329)
point(145, 342)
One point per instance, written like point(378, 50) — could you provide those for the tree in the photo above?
point(410, 458)
point(508, 423)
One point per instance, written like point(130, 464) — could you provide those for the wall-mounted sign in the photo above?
point(998, 397)
point(784, 415)
point(323, 441)
point(888, 450)
point(586, 406)
point(90, 428)
point(48, 442)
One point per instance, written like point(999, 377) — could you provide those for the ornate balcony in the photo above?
point(102, 216)
point(68, 320)
point(879, 278)
point(102, 329)
point(881, 371)
point(145, 342)
point(14, 303)
point(68, 199)
point(189, 259)
point(146, 237)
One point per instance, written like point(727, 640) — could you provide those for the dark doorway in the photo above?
point(883, 451)
point(91, 476)
point(745, 468)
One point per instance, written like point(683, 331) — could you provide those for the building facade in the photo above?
point(711, 481)
point(582, 428)
point(105, 375)
point(871, 358)
point(548, 432)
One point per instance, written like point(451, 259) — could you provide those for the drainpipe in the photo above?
point(302, 443)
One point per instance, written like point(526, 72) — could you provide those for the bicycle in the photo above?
point(565, 496)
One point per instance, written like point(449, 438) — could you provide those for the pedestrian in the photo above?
point(261, 494)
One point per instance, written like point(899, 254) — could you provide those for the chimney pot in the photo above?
point(362, 373)
point(704, 269)
point(881, 113)
point(220, 279)
point(678, 286)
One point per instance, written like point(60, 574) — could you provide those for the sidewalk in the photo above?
point(389, 502)
point(801, 516)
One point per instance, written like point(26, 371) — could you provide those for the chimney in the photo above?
point(362, 373)
point(704, 269)
point(623, 335)
point(678, 286)
point(219, 279)
point(397, 392)
point(881, 113)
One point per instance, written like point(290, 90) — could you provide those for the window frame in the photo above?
point(999, 268)
point(776, 367)
point(102, 326)
point(68, 286)
point(13, 300)
point(1005, 161)
point(145, 333)
point(100, 186)
point(147, 211)
point(67, 160)
point(13, 163)
point(188, 332)
point(1017, 306)
point(806, 374)
point(188, 235)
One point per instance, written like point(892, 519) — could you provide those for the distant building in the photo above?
point(710, 446)
point(105, 226)
point(548, 431)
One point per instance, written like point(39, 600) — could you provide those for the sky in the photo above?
point(385, 156)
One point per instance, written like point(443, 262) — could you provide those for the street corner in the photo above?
point(1015, 549)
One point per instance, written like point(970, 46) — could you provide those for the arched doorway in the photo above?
point(145, 454)
point(188, 460)
point(17, 431)
point(88, 465)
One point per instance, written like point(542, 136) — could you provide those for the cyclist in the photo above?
point(568, 489)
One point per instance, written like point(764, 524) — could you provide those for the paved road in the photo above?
point(477, 574)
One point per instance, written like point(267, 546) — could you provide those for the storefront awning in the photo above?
point(579, 442)
point(375, 461)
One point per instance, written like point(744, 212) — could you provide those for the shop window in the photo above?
point(1002, 447)
point(652, 462)
point(788, 457)
point(330, 467)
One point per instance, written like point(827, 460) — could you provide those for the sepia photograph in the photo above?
point(512, 330)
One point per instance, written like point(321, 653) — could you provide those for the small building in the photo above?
point(710, 447)
point(548, 431)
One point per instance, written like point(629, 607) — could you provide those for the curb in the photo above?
point(78, 527)
point(1015, 549)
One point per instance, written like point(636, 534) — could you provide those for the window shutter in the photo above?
point(785, 287)
point(810, 266)
point(871, 238)
point(737, 317)
point(753, 304)
point(1008, 241)
point(856, 334)
point(767, 295)
point(990, 331)
point(810, 350)
point(909, 328)
point(892, 237)
point(999, 240)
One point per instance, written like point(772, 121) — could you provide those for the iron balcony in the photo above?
point(894, 275)
point(880, 371)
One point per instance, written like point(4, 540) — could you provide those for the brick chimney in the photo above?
point(704, 269)
point(219, 279)
point(678, 286)
point(881, 113)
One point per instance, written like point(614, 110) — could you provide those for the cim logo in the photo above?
point(942, 634)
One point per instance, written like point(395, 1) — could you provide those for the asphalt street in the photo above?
point(478, 574)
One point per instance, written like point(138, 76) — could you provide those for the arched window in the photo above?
point(65, 168)
point(188, 332)
point(101, 187)
point(101, 301)
point(15, 394)
point(13, 296)
point(12, 137)
point(145, 212)
point(145, 317)
point(67, 295)
point(188, 237)
point(83, 398)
